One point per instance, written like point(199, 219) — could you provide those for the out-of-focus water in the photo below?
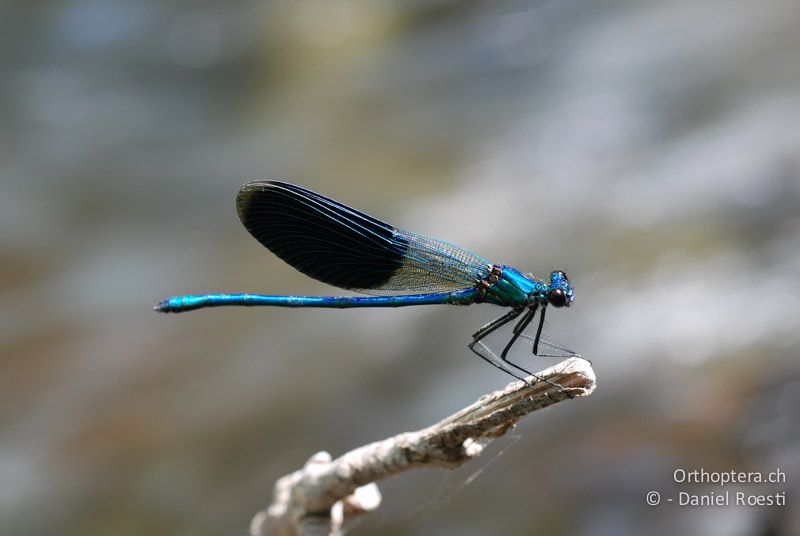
point(649, 149)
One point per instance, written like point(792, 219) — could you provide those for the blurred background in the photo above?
point(650, 149)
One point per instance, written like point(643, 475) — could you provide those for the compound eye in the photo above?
point(557, 298)
point(562, 274)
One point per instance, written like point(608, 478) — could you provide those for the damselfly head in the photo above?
point(561, 292)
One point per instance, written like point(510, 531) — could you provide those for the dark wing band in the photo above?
point(346, 248)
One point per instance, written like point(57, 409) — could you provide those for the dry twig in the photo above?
point(321, 496)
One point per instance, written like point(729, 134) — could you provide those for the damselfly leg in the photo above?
point(496, 323)
point(564, 352)
point(518, 329)
point(487, 355)
point(502, 362)
point(539, 331)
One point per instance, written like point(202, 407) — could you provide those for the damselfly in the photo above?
point(348, 249)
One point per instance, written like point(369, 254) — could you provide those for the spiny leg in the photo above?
point(508, 367)
point(539, 331)
point(536, 344)
point(518, 329)
point(493, 360)
point(496, 323)
point(566, 351)
point(503, 364)
point(538, 337)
